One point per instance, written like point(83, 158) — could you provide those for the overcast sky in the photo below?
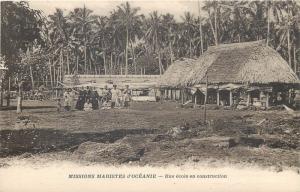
point(104, 7)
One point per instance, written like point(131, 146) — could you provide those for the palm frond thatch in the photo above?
point(251, 62)
point(176, 73)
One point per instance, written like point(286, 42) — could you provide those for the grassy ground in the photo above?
point(146, 134)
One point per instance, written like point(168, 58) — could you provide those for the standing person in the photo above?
point(115, 94)
point(95, 99)
point(67, 98)
point(58, 105)
point(126, 96)
point(72, 97)
point(88, 93)
point(80, 100)
point(102, 96)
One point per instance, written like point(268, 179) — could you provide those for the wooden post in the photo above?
point(248, 99)
point(166, 94)
point(205, 100)
point(195, 100)
point(230, 98)
point(218, 97)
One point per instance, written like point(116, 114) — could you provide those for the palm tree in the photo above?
point(103, 39)
point(188, 30)
point(81, 23)
point(200, 28)
point(127, 17)
point(169, 23)
point(212, 7)
point(154, 36)
point(58, 32)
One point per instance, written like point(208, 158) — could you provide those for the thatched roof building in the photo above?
point(251, 63)
point(177, 72)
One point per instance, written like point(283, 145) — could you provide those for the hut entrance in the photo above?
point(224, 97)
point(198, 97)
point(211, 96)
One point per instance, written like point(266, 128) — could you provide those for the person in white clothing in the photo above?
point(115, 95)
point(88, 106)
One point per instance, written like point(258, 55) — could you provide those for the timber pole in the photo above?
point(19, 99)
point(205, 100)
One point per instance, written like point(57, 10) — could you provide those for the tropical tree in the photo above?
point(20, 25)
point(154, 36)
point(58, 42)
point(188, 30)
point(127, 18)
point(81, 21)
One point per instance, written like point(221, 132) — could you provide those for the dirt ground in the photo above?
point(150, 133)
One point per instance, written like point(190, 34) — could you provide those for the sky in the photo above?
point(104, 7)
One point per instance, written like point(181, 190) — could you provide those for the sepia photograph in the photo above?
point(181, 95)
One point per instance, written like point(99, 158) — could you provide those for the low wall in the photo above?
point(143, 80)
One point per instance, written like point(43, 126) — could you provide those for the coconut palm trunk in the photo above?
point(1, 95)
point(8, 96)
point(133, 57)
point(190, 47)
point(159, 56)
point(213, 29)
point(295, 59)
point(19, 98)
point(50, 72)
point(289, 46)
point(111, 63)
point(54, 75)
point(68, 63)
point(171, 53)
point(159, 63)
point(85, 61)
point(77, 63)
point(104, 62)
point(61, 66)
point(268, 16)
point(216, 24)
point(31, 76)
point(126, 53)
point(200, 28)
point(57, 75)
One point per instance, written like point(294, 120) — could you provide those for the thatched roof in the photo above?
point(176, 73)
point(251, 62)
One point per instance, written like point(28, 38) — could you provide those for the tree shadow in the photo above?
point(16, 142)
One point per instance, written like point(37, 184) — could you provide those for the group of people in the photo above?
point(89, 99)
